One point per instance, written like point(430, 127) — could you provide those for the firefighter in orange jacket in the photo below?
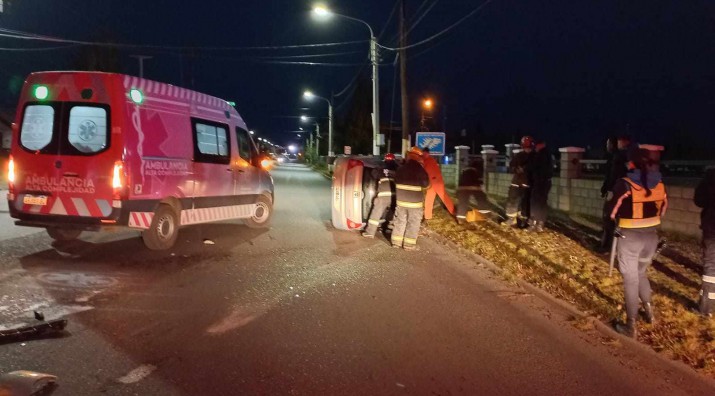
point(639, 201)
point(436, 185)
point(410, 182)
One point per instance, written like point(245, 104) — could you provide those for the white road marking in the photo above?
point(137, 374)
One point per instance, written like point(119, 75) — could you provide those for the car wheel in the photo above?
point(164, 229)
point(262, 213)
point(63, 234)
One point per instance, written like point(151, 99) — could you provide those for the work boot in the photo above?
point(511, 222)
point(628, 329)
point(538, 226)
point(648, 313)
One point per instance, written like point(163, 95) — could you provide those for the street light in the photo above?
point(309, 95)
point(323, 12)
point(426, 105)
point(251, 132)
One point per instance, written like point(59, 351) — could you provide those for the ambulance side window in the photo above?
point(38, 126)
point(244, 145)
point(211, 142)
point(88, 129)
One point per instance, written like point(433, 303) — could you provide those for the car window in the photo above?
point(37, 127)
point(88, 129)
point(244, 144)
point(211, 142)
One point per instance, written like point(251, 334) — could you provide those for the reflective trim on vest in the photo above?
point(642, 206)
point(708, 279)
point(639, 223)
point(409, 205)
point(386, 179)
point(407, 187)
point(384, 194)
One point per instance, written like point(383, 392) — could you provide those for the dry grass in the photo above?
point(562, 264)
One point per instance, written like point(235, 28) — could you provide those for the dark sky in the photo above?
point(569, 71)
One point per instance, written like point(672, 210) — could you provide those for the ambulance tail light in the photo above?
point(119, 180)
point(11, 176)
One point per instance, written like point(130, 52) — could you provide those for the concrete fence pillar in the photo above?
point(489, 158)
point(461, 160)
point(571, 162)
point(510, 150)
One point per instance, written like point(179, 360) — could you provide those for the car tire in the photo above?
point(63, 234)
point(164, 229)
point(262, 214)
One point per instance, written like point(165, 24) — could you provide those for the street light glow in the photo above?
point(321, 11)
point(308, 95)
point(251, 132)
point(304, 118)
point(428, 104)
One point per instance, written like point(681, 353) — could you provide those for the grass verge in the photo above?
point(560, 262)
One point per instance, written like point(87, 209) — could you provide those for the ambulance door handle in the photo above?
point(241, 170)
point(71, 174)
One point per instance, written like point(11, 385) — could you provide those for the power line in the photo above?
point(421, 17)
point(40, 49)
point(29, 36)
point(310, 56)
point(464, 18)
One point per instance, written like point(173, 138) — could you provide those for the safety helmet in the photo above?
point(416, 151)
point(415, 154)
point(527, 142)
point(389, 157)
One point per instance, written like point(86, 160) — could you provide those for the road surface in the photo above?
point(298, 309)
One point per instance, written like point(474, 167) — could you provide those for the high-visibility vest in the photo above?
point(636, 210)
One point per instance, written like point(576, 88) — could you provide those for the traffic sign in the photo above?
point(435, 141)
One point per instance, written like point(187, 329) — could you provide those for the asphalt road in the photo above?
point(299, 309)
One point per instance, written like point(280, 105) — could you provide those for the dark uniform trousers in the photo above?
point(635, 254)
point(707, 293)
point(407, 225)
point(539, 200)
point(464, 194)
point(380, 206)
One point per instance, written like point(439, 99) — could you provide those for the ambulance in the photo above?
point(92, 151)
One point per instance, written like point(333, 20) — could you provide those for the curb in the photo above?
point(603, 328)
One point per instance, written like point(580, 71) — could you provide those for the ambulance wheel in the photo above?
point(164, 229)
point(261, 216)
point(63, 234)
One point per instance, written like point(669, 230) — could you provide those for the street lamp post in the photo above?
point(310, 95)
point(426, 105)
point(322, 11)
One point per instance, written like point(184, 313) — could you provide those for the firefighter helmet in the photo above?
point(389, 157)
point(527, 142)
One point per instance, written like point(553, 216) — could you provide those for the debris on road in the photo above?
point(209, 242)
point(51, 328)
point(27, 383)
point(137, 374)
point(39, 315)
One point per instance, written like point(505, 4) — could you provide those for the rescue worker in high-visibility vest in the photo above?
point(640, 201)
point(705, 198)
point(517, 203)
point(436, 185)
point(385, 199)
point(470, 185)
point(410, 182)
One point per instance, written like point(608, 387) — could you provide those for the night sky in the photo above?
point(572, 72)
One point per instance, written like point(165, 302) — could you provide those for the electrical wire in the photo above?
point(464, 18)
point(421, 17)
point(40, 49)
point(309, 56)
point(29, 36)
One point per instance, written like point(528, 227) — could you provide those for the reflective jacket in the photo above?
point(520, 166)
point(410, 180)
point(633, 208)
point(386, 184)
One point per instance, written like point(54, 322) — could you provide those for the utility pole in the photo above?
point(141, 59)
point(403, 82)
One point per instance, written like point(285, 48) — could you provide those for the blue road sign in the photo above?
point(435, 141)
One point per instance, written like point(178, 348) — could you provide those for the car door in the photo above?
point(246, 174)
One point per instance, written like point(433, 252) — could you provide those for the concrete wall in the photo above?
point(583, 196)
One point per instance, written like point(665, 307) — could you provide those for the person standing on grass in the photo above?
point(410, 182)
point(470, 185)
point(436, 185)
point(639, 202)
point(705, 199)
point(517, 204)
point(540, 179)
point(615, 169)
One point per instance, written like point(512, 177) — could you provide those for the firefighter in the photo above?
point(517, 206)
point(541, 172)
point(470, 185)
point(436, 185)
point(410, 182)
point(639, 201)
point(385, 199)
point(705, 199)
